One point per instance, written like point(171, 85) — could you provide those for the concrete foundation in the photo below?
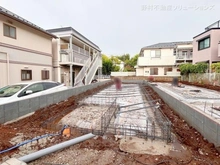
point(202, 122)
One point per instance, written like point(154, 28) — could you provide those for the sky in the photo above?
point(122, 26)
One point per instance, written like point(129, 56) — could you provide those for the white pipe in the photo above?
point(43, 152)
point(7, 58)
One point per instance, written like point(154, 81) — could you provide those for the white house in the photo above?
point(162, 59)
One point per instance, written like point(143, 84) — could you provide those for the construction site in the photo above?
point(132, 125)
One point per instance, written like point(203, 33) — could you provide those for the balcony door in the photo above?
point(184, 54)
point(73, 79)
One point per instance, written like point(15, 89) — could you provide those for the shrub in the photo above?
point(216, 67)
point(187, 68)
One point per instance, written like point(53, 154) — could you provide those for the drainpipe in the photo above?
point(43, 152)
point(7, 59)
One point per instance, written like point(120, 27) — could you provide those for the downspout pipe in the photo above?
point(49, 150)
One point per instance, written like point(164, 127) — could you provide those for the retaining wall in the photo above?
point(203, 123)
point(156, 78)
point(18, 109)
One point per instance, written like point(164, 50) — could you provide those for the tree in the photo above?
point(124, 57)
point(129, 63)
point(134, 60)
point(115, 68)
point(216, 67)
point(115, 60)
point(112, 63)
point(107, 65)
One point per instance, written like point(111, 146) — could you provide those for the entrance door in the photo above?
point(73, 78)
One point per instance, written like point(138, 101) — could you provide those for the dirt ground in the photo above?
point(217, 88)
point(105, 150)
point(43, 121)
point(202, 151)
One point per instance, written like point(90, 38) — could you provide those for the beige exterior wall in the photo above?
point(140, 71)
point(31, 50)
point(11, 70)
point(19, 56)
point(26, 37)
point(167, 58)
point(145, 71)
point(65, 73)
point(210, 53)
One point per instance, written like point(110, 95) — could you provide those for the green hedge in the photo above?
point(187, 68)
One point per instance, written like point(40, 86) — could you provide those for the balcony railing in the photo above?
point(76, 55)
point(180, 56)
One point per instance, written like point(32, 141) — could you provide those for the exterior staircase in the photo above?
point(88, 71)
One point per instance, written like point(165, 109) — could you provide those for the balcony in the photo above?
point(76, 55)
point(184, 56)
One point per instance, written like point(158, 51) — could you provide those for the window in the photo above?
point(204, 43)
point(155, 53)
point(26, 75)
point(45, 74)
point(10, 90)
point(9, 31)
point(48, 85)
point(153, 71)
point(38, 87)
point(167, 70)
point(184, 53)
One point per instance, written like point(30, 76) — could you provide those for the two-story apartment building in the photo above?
point(25, 50)
point(75, 58)
point(206, 46)
point(162, 59)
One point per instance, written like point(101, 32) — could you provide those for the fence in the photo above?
point(123, 74)
point(107, 116)
point(202, 78)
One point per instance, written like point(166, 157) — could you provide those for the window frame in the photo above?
point(154, 71)
point(22, 93)
point(203, 43)
point(45, 74)
point(4, 24)
point(153, 53)
point(27, 70)
point(156, 56)
point(167, 69)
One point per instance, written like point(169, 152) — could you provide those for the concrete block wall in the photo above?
point(18, 109)
point(203, 123)
point(156, 78)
